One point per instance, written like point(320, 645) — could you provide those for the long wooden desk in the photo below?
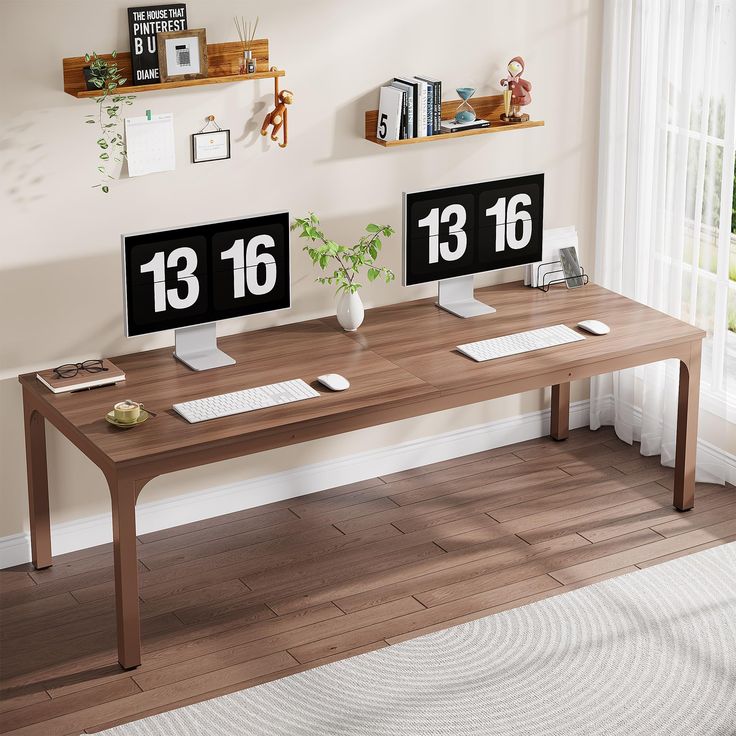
point(401, 363)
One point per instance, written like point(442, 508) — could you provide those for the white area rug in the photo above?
point(652, 652)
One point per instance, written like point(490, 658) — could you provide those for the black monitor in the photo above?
point(454, 232)
point(189, 277)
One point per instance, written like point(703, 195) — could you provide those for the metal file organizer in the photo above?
point(546, 281)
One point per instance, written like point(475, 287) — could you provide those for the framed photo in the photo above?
point(213, 145)
point(182, 54)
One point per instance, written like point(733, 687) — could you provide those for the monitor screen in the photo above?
point(467, 229)
point(202, 273)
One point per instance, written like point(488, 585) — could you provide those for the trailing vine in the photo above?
point(106, 76)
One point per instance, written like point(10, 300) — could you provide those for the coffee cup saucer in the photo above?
point(110, 417)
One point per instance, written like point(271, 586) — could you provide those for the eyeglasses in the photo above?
point(69, 370)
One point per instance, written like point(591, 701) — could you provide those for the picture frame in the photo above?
point(212, 145)
point(182, 54)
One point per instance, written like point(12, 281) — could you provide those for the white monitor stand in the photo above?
point(456, 297)
point(196, 346)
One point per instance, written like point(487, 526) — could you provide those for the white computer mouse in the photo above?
point(334, 381)
point(594, 326)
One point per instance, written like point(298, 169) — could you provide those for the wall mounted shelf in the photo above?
point(223, 67)
point(487, 108)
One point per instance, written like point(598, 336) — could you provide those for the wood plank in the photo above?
point(64, 585)
point(453, 505)
point(257, 528)
point(99, 645)
point(311, 571)
point(49, 709)
point(21, 697)
point(425, 617)
point(354, 585)
point(204, 642)
point(579, 489)
point(701, 517)
point(445, 464)
point(252, 649)
point(686, 551)
point(542, 563)
point(10, 581)
point(587, 513)
point(133, 704)
point(259, 680)
point(408, 490)
point(215, 552)
point(505, 606)
point(658, 517)
point(484, 568)
point(24, 611)
point(644, 552)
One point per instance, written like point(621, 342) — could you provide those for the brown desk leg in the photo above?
point(123, 494)
point(687, 430)
point(560, 416)
point(38, 486)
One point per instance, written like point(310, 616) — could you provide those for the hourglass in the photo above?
point(465, 112)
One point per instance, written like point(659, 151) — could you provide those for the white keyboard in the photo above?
point(521, 342)
point(250, 399)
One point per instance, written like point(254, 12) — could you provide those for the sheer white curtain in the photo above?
point(665, 235)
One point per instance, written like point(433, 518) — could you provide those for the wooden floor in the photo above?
point(238, 600)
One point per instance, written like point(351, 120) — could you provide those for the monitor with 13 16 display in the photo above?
point(455, 232)
point(192, 276)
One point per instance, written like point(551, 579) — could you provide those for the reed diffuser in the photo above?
point(246, 32)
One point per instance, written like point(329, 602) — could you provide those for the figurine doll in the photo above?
point(518, 92)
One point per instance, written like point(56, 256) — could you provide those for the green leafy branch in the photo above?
point(106, 76)
point(345, 262)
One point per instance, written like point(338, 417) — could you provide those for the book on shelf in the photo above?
point(412, 104)
point(451, 126)
point(390, 112)
point(421, 104)
point(436, 108)
point(111, 374)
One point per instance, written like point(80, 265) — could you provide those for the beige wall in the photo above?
point(60, 295)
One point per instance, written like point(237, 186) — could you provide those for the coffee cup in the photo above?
point(127, 412)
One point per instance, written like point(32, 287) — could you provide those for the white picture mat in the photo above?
point(150, 144)
point(211, 146)
point(173, 67)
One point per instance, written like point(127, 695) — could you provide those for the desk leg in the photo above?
point(123, 494)
point(687, 430)
point(38, 486)
point(560, 414)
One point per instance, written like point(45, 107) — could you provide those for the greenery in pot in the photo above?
point(347, 261)
point(105, 76)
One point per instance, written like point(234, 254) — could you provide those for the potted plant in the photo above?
point(105, 76)
point(346, 264)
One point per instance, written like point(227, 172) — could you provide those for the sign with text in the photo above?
point(144, 23)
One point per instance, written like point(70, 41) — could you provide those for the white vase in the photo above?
point(350, 311)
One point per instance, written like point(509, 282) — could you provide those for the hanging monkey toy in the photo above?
point(278, 116)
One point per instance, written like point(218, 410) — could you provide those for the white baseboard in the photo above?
point(91, 531)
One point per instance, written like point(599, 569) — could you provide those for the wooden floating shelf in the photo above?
point(223, 68)
point(486, 108)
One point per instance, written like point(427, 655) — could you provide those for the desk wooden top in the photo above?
point(402, 362)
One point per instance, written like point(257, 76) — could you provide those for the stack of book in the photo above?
point(409, 107)
point(81, 379)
